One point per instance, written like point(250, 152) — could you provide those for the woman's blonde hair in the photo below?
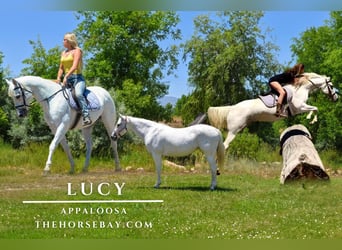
point(71, 38)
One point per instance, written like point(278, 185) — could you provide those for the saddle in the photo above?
point(270, 99)
point(93, 102)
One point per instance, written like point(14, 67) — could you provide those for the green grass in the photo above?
point(249, 202)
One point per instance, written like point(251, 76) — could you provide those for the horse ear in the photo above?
point(8, 82)
point(15, 82)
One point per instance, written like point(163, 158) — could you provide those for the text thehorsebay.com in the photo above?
point(92, 214)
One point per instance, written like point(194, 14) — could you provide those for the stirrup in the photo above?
point(282, 114)
point(86, 121)
point(280, 111)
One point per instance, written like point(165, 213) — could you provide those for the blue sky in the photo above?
point(18, 27)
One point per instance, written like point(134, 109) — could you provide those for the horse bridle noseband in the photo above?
point(18, 86)
point(331, 95)
point(22, 94)
point(123, 131)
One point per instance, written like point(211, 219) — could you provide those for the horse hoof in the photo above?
point(46, 172)
point(218, 172)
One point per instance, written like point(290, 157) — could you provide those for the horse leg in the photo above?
point(309, 116)
point(116, 155)
point(158, 163)
point(59, 135)
point(109, 125)
point(86, 132)
point(229, 139)
point(312, 110)
point(67, 150)
point(212, 163)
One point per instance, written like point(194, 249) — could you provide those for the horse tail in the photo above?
point(200, 119)
point(218, 116)
point(220, 154)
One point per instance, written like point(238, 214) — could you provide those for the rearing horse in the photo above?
point(236, 117)
point(60, 116)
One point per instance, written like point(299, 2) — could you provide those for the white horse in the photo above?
point(236, 117)
point(60, 116)
point(161, 139)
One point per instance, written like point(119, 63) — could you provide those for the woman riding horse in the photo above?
point(278, 81)
point(71, 66)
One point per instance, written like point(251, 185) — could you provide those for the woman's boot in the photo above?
point(279, 110)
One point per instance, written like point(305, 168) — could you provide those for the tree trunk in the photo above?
point(300, 157)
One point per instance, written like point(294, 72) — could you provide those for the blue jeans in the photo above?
point(77, 81)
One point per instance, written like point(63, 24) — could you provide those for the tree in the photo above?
point(45, 64)
point(320, 50)
point(230, 60)
point(4, 120)
point(42, 63)
point(125, 47)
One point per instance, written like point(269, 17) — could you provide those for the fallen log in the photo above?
point(300, 157)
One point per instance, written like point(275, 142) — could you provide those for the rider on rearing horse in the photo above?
point(278, 81)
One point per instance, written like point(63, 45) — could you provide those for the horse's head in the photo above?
point(324, 83)
point(21, 97)
point(120, 128)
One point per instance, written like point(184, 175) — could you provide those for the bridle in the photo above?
point(331, 93)
point(120, 132)
point(19, 92)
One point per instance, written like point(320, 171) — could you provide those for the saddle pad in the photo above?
point(93, 103)
point(270, 100)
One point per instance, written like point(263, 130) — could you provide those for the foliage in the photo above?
point(320, 50)
point(249, 146)
point(34, 128)
point(131, 57)
point(131, 54)
point(42, 63)
point(230, 60)
point(4, 119)
point(4, 124)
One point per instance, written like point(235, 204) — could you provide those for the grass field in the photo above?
point(249, 203)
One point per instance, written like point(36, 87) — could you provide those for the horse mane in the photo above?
point(304, 79)
point(312, 75)
point(147, 122)
point(34, 79)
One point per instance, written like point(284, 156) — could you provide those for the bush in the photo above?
point(250, 146)
point(4, 124)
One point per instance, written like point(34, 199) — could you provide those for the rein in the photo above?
point(52, 96)
point(22, 91)
point(330, 93)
